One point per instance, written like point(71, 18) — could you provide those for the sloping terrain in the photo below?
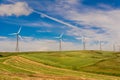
point(68, 65)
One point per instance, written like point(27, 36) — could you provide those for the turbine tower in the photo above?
point(83, 39)
point(100, 45)
point(17, 39)
point(114, 47)
point(60, 41)
point(101, 42)
point(84, 42)
point(118, 48)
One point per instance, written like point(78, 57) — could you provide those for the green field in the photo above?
point(66, 65)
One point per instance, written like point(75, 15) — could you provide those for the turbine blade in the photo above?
point(13, 34)
point(78, 38)
point(19, 30)
point(61, 35)
point(20, 37)
point(57, 37)
point(81, 38)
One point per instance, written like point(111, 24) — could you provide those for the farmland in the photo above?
point(65, 65)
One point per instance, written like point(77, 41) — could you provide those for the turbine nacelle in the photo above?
point(19, 30)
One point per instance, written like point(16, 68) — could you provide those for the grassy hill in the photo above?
point(66, 65)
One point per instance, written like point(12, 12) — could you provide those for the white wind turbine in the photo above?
point(118, 48)
point(17, 39)
point(60, 41)
point(114, 47)
point(83, 39)
point(84, 42)
point(100, 43)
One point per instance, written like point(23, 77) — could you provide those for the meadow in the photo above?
point(64, 65)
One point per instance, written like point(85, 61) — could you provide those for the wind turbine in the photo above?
point(84, 42)
point(100, 45)
point(114, 47)
point(60, 41)
point(83, 39)
point(17, 39)
point(118, 48)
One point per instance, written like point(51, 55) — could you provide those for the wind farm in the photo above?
point(59, 40)
point(60, 64)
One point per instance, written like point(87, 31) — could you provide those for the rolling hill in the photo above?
point(65, 65)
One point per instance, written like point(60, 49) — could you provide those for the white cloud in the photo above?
point(3, 37)
point(29, 23)
point(107, 20)
point(41, 31)
point(66, 2)
point(17, 9)
point(57, 20)
point(37, 24)
point(104, 6)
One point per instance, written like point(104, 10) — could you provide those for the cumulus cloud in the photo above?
point(37, 24)
point(106, 20)
point(71, 2)
point(17, 9)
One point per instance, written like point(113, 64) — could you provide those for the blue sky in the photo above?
point(43, 20)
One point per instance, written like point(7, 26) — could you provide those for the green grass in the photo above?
point(6, 77)
point(110, 67)
point(70, 60)
point(88, 64)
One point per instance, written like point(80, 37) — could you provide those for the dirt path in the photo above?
point(16, 59)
